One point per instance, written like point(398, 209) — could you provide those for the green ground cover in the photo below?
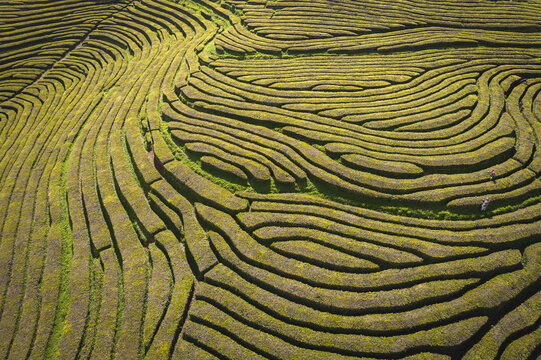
point(269, 179)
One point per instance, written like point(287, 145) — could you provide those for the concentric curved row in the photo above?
point(37, 35)
point(305, 19)
point(100, 272)
point(433, 139)
point(163, 200)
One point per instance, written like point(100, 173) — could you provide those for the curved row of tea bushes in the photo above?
point(36, 36)
point(238, 40)
point(247, 268)
point(111, 279)
point(285, 20)
point(450, 166)
point(121, 237)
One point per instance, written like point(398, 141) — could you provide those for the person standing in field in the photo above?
point(484, 205)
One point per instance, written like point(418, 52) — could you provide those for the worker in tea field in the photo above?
point(484, 205)
point(493, 175)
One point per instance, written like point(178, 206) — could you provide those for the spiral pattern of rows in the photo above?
point(270, 179)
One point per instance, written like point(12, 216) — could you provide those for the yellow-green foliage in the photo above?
point(252, 179)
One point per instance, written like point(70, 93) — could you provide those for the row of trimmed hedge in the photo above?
point(301, 20)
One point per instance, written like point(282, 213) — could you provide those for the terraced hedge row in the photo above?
point(270, 179)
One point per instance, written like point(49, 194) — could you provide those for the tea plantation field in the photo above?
point(270, 179)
